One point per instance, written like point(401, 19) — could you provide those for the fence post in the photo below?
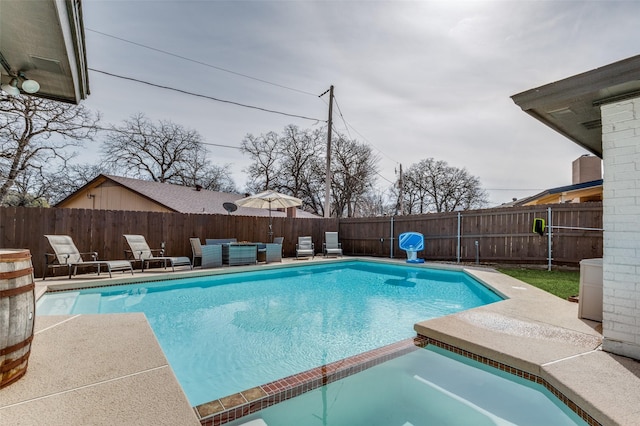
point(458, 246)
point(391, 254)
point(549, 231)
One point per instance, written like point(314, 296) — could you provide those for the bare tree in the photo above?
point(29, 189)
point(294, 163)
point(71, 179)
point(162, 151)
point(263, 150)
point(209, 176)
point(432, 185)
point(37, 137)
point(374, 203)
point(299, 153)
point(352, 177)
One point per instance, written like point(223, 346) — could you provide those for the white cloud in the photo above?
point(416, 79)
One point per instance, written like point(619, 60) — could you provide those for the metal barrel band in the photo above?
point(17, 346)
point(13, 364)
point(19, 256)
point(13, 378)
point(16, 274)
point(18, 290)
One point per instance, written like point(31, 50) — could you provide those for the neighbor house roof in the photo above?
point(563, 194)
point(180, 199)
point(572, 106)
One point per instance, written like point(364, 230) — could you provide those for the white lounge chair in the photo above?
point(331, 244)
point(141, 252)
point(305, 247)
point(66, 254)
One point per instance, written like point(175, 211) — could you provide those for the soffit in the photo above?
point(572, 106)
point(45, 39)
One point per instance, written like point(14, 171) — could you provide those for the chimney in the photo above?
point(291, 211)
point(586, 168)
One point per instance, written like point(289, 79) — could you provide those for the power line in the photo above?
point(205, 96)
point(347, 126)
point(104, 129)
point(342, 117)
point(514, 189)
point(200, 62)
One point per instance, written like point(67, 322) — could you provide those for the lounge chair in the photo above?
point(305, 247)
point(331, 244)
point(141, 252)
point(66, 254)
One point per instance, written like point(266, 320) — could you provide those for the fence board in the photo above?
point(503, 235)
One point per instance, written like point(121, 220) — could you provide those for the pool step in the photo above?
point(56, 303)
point(256, 422)
point(87, 304)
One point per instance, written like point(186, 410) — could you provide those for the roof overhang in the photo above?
point(45, 40)
point(572, 106)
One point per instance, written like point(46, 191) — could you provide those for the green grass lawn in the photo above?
point(561, 283)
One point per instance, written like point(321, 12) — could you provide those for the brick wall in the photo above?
point(621, 221)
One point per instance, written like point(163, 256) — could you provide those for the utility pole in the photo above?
point(327, 188)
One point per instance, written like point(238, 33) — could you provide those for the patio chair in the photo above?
point(305, 247)
point(210, 256)
point(66, 254)
point(141, 252)
point(196, 250)
point(331, 244)
point(280, 241)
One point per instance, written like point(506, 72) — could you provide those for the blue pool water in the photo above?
point(227, 333)
point(423, 388)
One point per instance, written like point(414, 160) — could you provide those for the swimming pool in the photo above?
point(428, 386)
point(227, 333)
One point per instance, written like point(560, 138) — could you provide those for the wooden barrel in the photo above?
point(17, 312)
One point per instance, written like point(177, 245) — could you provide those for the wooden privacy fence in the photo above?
point(102, 230)
point(501, 235)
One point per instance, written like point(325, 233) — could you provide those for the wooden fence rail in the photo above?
point(492, 235)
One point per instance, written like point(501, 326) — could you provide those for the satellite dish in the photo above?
point(230, 207)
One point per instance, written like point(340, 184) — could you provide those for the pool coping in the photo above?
point(597, 397)
point(234, 407)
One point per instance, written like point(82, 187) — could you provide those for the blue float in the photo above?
point(412, 243)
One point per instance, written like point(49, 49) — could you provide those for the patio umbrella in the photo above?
point(267, 200)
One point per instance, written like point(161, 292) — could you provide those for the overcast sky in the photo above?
point(412, 79)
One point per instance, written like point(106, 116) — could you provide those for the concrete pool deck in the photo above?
point(109, 369)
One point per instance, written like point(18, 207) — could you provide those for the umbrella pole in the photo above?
point(270, 237)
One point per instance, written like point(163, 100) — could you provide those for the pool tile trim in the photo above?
point(216, 413)
point(227, 409)
point(516, 372)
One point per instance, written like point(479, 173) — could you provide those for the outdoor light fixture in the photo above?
point(29, 86)
point(12, 87)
